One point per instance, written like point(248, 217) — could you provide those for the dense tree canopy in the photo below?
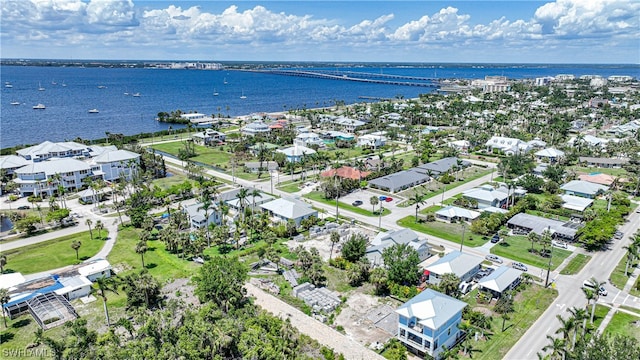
point(402, 262)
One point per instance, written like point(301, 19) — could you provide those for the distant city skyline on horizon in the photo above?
point(420, 32)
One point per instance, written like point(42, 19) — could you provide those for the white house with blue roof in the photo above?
point(463, 265)
point(429, 321)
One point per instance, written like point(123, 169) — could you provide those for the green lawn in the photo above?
point(52, 254)
point(206, 155)
point(621, 323)
point(161, 264)
point(618, 278)
point(576, 264)
point(434, 188)
point(319, 197)
point(601, 312)
point(169, 181)
point(446, 231)
point(589, 170)
point(517, 248)
point(529, 305)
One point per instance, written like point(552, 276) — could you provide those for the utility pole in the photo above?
point(462, 242)
point(271, 178)
point(380, 216)
point(443, 190)
point(548, 233)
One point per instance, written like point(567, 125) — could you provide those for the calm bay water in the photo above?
point(66, 115)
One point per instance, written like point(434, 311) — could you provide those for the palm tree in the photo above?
point(534, 238)
point(632, 254)
point(595, 293)
point(557, 347)
point(99, 227)
point(373, 201)
point(75, 245)
point(141, 248)
point(335, 238)
point(243, 193)
point(88, 222)
point(3, 262)
point(417, 199)
point(580, 317)
point(612, 189)
point(106, 284)
point(4, 299)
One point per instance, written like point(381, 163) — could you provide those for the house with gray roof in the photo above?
point(199, 218)
point(393, 237)
point(502, 279)
point(487, 196)
point(583, 189)
point(441, 166)
point(454, 213)
point(47, 150)
point(285, 209)
point(10, 163)
point(603, 162)
point(430, 321)
point(116, 164)
point(523, 223)
point(463, 265)
point(250, 201)
point(551, 155)
point(399, 181)
point(576, 203)
point(296, 152)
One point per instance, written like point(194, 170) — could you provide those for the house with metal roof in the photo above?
point(347, 124)
point(500, 280)
point(523, 223)
point(200, 218)
point(38, 178)
point(393, 237)
point(463, 265)
point(583, 189)
point(296, 152)
point(309, 138)
point(603, 162)
point(399, 181)
point(285, 209)
point(10, 163)
point(430, 321)
point(510, 146)
point(208, 137)
point(454, 213)
point(250, 202)
point(576, 203)
point(551, 155)
point(47, 150)
point(441, 166)
point(255, 128)
point(487, 196)
point(115, 164)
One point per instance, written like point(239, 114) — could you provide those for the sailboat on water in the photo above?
point(215, 93)
point(242, 96)
point(224, 81)
point(40, 88)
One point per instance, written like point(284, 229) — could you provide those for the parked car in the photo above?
point(519, 266)
point(357, 203)
point(24, 207)
point(493, 258)
point(388, 199)
point(495, 238)
point(559, 244)
point(198, 260)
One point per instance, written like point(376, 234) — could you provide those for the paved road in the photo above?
point(570, 294)
point(325, 335)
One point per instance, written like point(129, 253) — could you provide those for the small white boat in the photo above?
point(53, 82)
point(225, 81)
point(40, 88)
point(93, 111)
point(215, 93)
point(8, 84)
point(242, 96)
point(136, 95)
point(63, 84)
point(15, 103)
point(101, 87)
point(39, 107)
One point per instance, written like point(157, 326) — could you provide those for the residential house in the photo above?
point(487, 196)
point(347, 124)
point(308, 138)
point(576, 203)
point(399, 181)
point(589, 140)
point(208, 137)
point(255, 128)
point(285, 209)
point(200, 218)
point(296, 152)
point(439, 167)
point(463, 265)
point(583, 189)
point(603, 162)
point(550, 155)
point(627, 129)
point(523, 223)
point(454, 213)
point(430, 321)
point(250, 202)
point(393, 237)
point(598, 178)
point(96, 269)
point(503, 279)
point(371, 141)
point(462, 146)
point(509, 146)
point(48, 150)
point(197, 118)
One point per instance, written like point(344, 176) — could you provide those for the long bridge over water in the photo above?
point(366, 77)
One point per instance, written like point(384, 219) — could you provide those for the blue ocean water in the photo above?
point(66, 115)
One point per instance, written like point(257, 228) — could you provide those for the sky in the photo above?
point(561, 31)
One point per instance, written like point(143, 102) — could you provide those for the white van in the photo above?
point(587, 285)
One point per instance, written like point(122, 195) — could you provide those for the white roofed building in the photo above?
point(296, 152)
point(285, 209)
point(39, 177)
point(463, 265)
point(116, 164)
point(510, 146)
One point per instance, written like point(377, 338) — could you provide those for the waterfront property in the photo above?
point(208, 137)
point(463, 265)
point(254, 128)
point(429, 321)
